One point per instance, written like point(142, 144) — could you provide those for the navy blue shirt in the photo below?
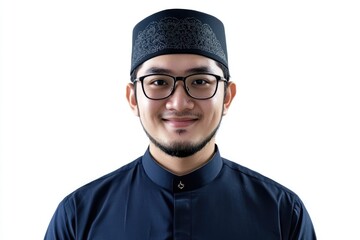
point(142, 200)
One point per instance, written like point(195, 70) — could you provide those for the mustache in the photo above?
point(181, 114)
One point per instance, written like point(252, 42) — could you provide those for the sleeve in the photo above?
point(301, 225)
point(61, 226)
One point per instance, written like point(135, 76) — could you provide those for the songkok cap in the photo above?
point(178, 31)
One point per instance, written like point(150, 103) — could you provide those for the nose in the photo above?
point(179, 100)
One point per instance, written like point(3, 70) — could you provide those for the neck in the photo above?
point(181, 166)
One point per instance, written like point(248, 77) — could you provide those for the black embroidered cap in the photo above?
point(178, 31)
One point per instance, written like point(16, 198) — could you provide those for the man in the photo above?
point(181, 188)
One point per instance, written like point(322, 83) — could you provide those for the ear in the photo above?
point(230, 94)
point(131, 97)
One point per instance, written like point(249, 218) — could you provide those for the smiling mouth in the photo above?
point(180, 122)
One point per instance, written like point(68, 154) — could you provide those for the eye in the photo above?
point(158, 81)
point(199, 82)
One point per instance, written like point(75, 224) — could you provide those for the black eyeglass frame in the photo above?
point(183, 79)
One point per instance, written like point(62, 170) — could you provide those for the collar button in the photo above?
point(181, 185)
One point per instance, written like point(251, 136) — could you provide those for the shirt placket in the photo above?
point(182, 211)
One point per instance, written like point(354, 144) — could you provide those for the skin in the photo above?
point(179, 121)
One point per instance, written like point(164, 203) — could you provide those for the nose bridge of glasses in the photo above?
point(180, 79)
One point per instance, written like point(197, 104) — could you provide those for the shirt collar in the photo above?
point(188, 182)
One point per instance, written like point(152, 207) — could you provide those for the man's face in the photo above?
point(179, 125)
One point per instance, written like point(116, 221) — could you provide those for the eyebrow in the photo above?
point(157, 70)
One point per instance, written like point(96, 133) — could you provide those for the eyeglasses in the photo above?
point(199, 86)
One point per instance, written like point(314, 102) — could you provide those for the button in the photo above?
point(181, 185)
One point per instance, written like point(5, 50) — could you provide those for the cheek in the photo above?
point(148, 109)
point(217, 106)
point(213, 109)
point(142, 102)
point(217, 101)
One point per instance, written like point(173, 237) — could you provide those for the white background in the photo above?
point(65, 120)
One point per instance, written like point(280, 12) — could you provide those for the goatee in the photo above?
point(182, 149)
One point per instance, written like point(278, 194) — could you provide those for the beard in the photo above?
point(182, 149)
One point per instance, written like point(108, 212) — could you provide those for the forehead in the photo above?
point(179, 64)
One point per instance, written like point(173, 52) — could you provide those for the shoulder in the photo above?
point(263, 192)
point(252, 180)
point(85, 203)
point(105, 185)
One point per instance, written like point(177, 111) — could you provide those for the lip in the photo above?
point(180, 122)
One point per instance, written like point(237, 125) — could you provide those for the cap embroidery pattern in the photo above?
point(173, 33)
